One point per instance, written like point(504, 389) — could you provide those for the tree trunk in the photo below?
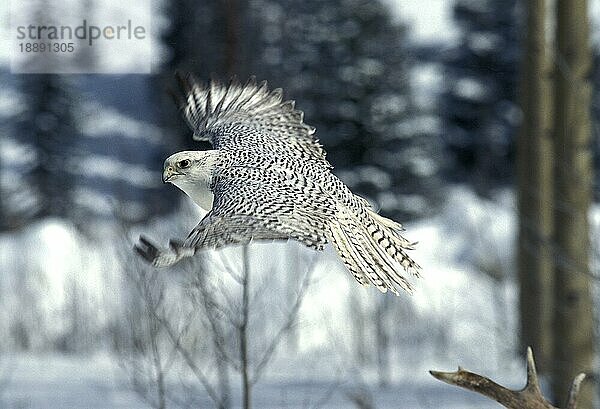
point(535, 187)
point(573, 318)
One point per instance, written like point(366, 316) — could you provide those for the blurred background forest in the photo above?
point(419, 105)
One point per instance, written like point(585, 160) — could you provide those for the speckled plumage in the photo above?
point(271, 181)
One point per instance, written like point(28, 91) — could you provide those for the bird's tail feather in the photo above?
point(373, 250)
point(395, 228)
point(350, 257)
point(390, 239)
point(354, 251)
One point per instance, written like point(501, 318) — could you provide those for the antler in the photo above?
point(529, 397)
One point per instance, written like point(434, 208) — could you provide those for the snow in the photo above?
point(473, 308)
point(431, 21)
point(68, 382)
point(111, 168)
point(468, 88)
point(10, 102)
point(96, 382)
point(14, 153)
point(102, 120)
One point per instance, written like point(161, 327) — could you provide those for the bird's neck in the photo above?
point(202, 196)
point(199, 193)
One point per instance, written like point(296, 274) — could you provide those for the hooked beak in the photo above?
point(168, 174)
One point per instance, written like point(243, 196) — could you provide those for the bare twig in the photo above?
point(529, 397)
point(210, 307)
point(361, 398)
point(188, 358)
point(291, 318)
point(243, 331)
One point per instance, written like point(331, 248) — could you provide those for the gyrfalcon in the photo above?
point(267, 179)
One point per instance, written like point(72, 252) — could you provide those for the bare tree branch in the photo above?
point(230, 270)
point(210, 306)
point(243, 333)
point(291, 318)
point(189, 359)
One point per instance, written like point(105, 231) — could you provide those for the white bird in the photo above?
point(267, 179)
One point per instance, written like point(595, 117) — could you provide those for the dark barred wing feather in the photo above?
point(247, 117)
point(253, 204)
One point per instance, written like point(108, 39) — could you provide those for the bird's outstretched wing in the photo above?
point(252, 204)
point(247, 117)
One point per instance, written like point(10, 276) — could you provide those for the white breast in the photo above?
point(198, 192)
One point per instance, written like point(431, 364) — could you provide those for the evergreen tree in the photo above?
point(47, 123)
point(479, 101)
point(200, 39)
point(344, 61)
point(347, 64)
point(116, 168)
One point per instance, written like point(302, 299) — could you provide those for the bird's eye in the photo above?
point(182, 164)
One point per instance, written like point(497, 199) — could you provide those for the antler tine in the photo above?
point(529, 397)
point(533, 383)
point(574, 391)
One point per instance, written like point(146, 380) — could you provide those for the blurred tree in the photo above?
point(236, 318)
point(535, 190)
point(48, 124)
point(346, 63)
point(144, 352)
point(79, 317)
point(17, 198)
point(573, 319)
point(348, 66)
point(83, 164)
point(479, 100)
point(596, 121)
point(205, 38)
point(212, 38)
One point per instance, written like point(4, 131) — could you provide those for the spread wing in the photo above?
point(247, 117)
point(253, 204)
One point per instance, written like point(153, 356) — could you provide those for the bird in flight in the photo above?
point(267, 178)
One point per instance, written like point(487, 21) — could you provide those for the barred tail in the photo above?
point(387, 233)
point(373, 250)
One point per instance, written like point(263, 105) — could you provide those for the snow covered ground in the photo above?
point(466, 292)
point(64, 382)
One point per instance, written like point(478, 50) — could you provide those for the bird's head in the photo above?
point(189, 168)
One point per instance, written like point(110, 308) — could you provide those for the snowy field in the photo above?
point(59, 382)
point(474, 309)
